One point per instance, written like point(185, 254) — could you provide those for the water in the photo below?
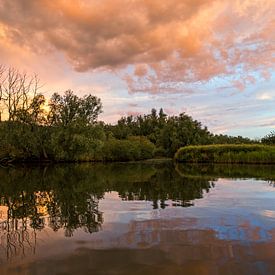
point(137, 218)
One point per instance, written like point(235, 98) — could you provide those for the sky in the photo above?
point(213, 59)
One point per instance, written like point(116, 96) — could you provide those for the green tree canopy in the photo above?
point(70, 108)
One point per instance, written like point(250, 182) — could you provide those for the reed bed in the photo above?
point(229, 153)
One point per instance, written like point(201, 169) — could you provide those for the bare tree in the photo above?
point(2, 80)
point(17, 92)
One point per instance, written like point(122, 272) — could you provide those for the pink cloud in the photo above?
point(171, 44)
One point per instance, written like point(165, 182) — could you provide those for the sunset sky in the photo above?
point(211, 59)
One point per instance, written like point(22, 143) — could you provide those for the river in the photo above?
point(137, 218)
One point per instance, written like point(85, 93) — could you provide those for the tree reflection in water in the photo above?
point(66, 196)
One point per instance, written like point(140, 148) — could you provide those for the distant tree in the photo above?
point(167, 133)
point(225, 139)
point(70, 108)
point(269, 139)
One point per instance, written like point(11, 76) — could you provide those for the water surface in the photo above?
point(137, 218)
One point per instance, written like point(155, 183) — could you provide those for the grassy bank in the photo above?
point(227, 154)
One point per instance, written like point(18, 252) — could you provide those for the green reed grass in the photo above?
point(241, 153)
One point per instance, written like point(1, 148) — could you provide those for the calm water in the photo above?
point(137, 218)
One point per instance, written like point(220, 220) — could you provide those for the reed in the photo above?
point(227, 153)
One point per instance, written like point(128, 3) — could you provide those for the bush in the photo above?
point(20, 141)
point(227, 154)
point(134, 148)
point(74, 142)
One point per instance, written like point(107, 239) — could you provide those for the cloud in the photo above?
point(133, 105)
point(156, 46)
point(266, 95)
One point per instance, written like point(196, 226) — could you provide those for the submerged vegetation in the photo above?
point(227, 154)
point(66, 128)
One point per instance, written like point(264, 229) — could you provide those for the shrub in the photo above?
point(242, 153)
point(134, 148)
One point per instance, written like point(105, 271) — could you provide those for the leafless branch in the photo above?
point(17, 91)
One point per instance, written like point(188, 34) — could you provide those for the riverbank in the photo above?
point(241, 153)
point(32, 143)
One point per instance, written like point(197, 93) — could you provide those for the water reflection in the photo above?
point(175, 252)
point(264, 172)
point(69, 195)
point(65, 198)
point(17, 238)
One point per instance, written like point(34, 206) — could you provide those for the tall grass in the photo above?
point(241, 153)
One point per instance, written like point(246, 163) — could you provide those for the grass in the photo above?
point(228, 153)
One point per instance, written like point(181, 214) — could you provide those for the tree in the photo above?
point(35, 113)
point(167, 133)
point(269, 139)
point(70, 108)
point(17, 92)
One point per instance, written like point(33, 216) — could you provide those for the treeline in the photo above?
point(66, 128)
point(169, 133)
point(63, 129)
point(72, 138)
point(73, 142)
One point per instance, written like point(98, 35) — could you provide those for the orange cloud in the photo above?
point(171, 44)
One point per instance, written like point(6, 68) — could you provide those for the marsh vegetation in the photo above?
point(243, 153)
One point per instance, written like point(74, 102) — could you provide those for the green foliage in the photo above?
point(75, 143)
point(70, 108)
point(24, 142)
point(134, 148)
point(269, 139)
point(20, 141)
point(167, 133)
point(70, 132)
point(34, 113)
point(227, 154)
point(225, 139)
